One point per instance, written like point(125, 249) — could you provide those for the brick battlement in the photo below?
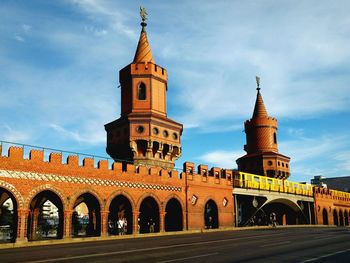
point(214, 175)
point(149, 68)
point(16, 161)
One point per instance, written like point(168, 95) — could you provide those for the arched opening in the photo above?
point(335, 218)
point(287, 212)
point(325, 216)
point(155, 149)
point(274, 138)
point(346, 218)
point(45, 218)
point(86, 217)
point(8, 217)
point(120, 210)
point(149, 216)
point(211, 218)
point(173, 216)
point(141, 91)
point(341, 218)
point(141, 147)
point(165, 150)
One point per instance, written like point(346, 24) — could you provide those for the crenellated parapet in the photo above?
point(331, 206)
point(203, 174)
point(86, 167)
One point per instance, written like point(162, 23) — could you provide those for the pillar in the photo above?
point(136, 227)
point(162, 221)
point(104, 223)
point(67, 228)
point(22, 217)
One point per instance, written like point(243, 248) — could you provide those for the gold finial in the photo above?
point(143, 15)
point(257, 83)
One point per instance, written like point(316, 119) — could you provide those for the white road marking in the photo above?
point(182, 259)
point(142, 249)
point(326, 256)
point(276, 244)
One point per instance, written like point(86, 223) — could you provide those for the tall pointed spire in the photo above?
point(259, 109)
point(143, 50)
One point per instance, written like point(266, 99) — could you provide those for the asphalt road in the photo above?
point(269, 245)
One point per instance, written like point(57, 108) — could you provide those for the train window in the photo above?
point(256, 179)
point(269, 181)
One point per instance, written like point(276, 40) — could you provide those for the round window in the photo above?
point(140, 129)
point(175, 136)
point(155, 131)
point(269, 163)
point(165, 133)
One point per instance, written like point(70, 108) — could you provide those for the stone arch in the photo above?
point(41, 222)
point(346, 217)
point(16, 194)
point(120, 192)
point(144, 196)
point(149, 208)
point(341, 217)
point(9, 216)
point(166, 200)
point(325, 216)
point(211, 213)
point(174, 213)
point(88, 223)
point(45, 187)
point(288, 212)
point(335, 217)
point(120, 206)
point(85, 191)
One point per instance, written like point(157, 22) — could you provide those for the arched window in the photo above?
point(274, 138)
point(141, 91)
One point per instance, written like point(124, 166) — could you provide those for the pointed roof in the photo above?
point(143, 50)
point(259, 109)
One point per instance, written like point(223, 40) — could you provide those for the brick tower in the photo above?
point(262, 148)
point(143, 134)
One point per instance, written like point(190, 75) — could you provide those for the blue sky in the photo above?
point(59, 63)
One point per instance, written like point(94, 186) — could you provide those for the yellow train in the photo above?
point(253, 181)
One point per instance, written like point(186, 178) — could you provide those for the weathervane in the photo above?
point(257, 83)
point(143, 15)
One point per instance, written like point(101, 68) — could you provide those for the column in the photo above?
point(22, 216)
point(162, 221)
point(67, 228)
point(104, 223)
point(135, 223)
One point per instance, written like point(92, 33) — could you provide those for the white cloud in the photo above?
point(12, 135)
point(222, 159)
point(19, 38)
point(26, 28)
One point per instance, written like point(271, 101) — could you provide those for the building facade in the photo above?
point(141, 185)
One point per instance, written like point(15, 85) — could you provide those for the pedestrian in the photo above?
point(110, 226)
point(125, 230)
point(151, 225)
point(120, 226)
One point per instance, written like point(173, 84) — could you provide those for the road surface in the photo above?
point(256, 245)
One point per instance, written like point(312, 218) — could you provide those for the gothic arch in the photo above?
point(120, 192)
point(210, 197)
point(81, 192)
point(171, 196)
point(17, 195)
point(45, 187)
point(144, 196)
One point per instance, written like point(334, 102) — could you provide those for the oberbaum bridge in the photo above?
point(41, 195)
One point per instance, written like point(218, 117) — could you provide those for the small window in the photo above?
point(141, 91)
point(165, 133)
point(155, 130)
point(274, 138)
point(269, 163)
